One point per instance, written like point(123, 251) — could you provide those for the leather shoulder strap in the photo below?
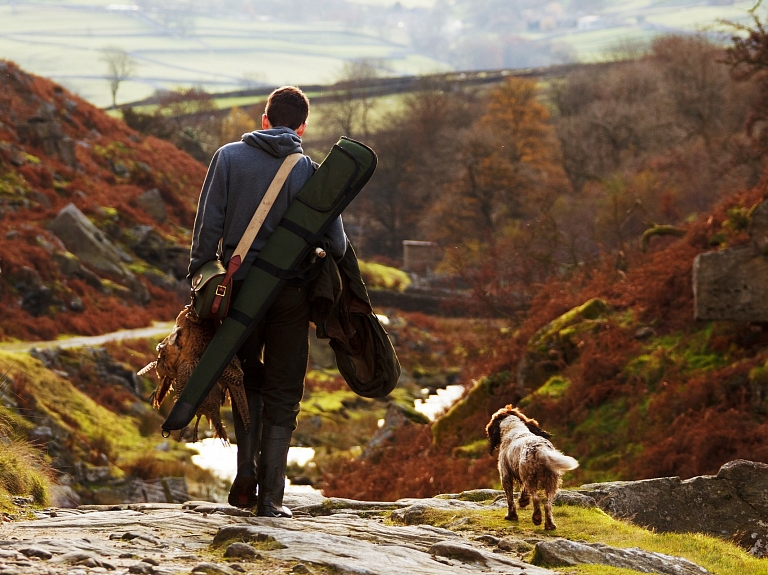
point(266, 204)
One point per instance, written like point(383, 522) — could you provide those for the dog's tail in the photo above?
point(559, 462)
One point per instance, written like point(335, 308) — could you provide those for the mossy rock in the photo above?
point(457, 421)
point(474, 450)
point(554, 388)
point(410, 413)
point(590, 310)
point(556, 344)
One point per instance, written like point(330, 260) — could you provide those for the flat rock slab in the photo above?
point(163, 539)
point(731, 504)
point(419, 537)
point(360, 555)
point(568, 553)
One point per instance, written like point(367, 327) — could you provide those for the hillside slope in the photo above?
point(612, 362)
point(140, 193)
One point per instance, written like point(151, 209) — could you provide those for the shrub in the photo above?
point(379, 276)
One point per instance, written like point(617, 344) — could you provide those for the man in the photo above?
point(274, 358)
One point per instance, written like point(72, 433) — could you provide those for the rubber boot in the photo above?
point(243, 490)
point(275, 442)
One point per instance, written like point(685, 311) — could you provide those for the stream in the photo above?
point(221, 458)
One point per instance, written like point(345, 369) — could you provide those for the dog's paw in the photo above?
point(536, 518)
point(511, 517)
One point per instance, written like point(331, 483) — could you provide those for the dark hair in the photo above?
point(287, 106)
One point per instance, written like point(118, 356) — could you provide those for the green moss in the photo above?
point(473, 450)
point(738, 219)
point(555, 387)
point(13, 184)
point(320, 402)
point(686, 353)
point(378, 276)
point(592, 309)
point(34, 160)
point(410, 413)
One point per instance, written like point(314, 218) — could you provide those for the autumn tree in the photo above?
point(748, 59)
point(510, 167)
point(417, 145)
point(235, 124)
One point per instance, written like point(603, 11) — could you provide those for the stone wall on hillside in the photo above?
point(732, 284)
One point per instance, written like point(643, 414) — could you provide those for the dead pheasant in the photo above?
point(177, 357)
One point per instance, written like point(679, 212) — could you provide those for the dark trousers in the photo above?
point(274, 357)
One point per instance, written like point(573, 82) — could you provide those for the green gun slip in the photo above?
point(337, 181)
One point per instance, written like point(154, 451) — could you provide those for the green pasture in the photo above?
point(63, 40)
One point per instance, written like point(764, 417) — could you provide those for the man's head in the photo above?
point(286, 106)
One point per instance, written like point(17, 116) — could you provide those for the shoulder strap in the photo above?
point(266, 204)
point(255, 225)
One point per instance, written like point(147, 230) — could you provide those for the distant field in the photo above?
point(63, 39)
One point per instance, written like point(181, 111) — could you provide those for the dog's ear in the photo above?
point(493, 429)
point(534, 428)
point(532, 425)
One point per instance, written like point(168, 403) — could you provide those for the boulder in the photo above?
point(732, 284)
point(89, 244)
point(758, 227)
point(43, 132)
point(733, 503)
point(132, 490)
point(157, 251)
point(64, 497)
point(562, 552)
point(152, 202)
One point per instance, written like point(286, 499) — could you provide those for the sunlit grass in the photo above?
point(595, 526)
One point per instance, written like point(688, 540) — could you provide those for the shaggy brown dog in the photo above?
point(177, 357)
point(527, 457)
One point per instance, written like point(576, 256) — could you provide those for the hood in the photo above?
point(278, 142)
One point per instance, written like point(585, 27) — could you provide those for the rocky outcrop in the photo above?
point(561, 552)
point(89, 244)
point(43, 132)
point(732, 284)
point(152, 202)
point(733, 503)
point(556, 345)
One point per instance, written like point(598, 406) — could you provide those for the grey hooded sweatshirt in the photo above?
point(237, 180)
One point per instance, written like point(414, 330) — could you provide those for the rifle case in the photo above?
point(337, 181)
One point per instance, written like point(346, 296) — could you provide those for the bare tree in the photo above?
point(348, 111)
point(120, 67)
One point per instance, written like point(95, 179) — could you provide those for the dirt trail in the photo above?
point(157, 328)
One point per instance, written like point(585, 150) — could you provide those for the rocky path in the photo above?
point(200, 537)
point(338, 536)
point(156, 329)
